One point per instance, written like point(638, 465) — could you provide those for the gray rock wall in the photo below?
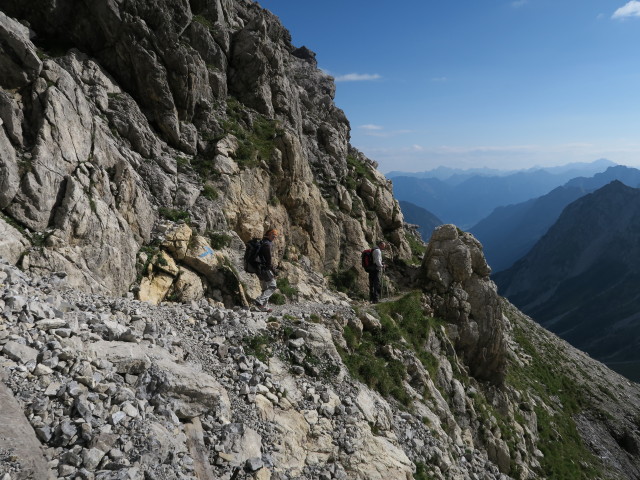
point(110, 110)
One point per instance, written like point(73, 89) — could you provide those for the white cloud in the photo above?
point(371, 130)
point(357, 77)
point(631, 9)
point(519, 3)
point(439, 79)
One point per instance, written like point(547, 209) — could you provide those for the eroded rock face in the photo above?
point(137, 116)
point(456, 274)
point(19, 62)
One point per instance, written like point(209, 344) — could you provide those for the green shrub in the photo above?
point(182, 163)
point(277, 299)
point(345, 281)
point(258, 346)
point(286, 289)
point(217, 240)
point(174, 215)
point(203, 21)
point(421, 472)
point(203, 166)
point(210, 192)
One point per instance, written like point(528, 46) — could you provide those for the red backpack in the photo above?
point(367, 260)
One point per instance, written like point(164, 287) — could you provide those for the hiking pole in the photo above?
point(387, 284)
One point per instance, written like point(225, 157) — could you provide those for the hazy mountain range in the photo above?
point(465, 200)
point(425, 220)
point(510, 231)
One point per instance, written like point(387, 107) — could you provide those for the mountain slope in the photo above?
point(580, 279)
point(141, 144)
point(510, 232)
point(469, 201)
point(426, 220)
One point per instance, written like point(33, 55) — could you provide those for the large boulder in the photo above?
point(19, 62)
point(456, 275)
point(12, 243)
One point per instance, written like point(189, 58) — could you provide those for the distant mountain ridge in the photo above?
point(581, 279)
point(446, 173)
point(469, 201)
point(416, 215)
point(510, 232)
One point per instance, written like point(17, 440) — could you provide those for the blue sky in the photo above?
point(500, 83)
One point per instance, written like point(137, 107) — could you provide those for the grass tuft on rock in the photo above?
point(405, 327)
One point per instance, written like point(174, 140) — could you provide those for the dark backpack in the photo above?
point(252, 258)
point(367, 260)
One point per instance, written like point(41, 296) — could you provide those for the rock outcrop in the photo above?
point(141, 144)
point(118, 388)
point(456, 273)
point(118, 114)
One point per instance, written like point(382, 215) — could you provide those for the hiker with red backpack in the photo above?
point(372, 263)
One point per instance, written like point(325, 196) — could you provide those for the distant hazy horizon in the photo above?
point(604, 162)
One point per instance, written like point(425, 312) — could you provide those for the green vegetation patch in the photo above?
point(218, 240)
point(11, 221)
point(346, 281)
point(365, 357)
point(201, 19)
point(417, 249)
point(357, 169)
point(174, 215)
point(256, 138)
point(278, 299)
point(258, 346)
point(151, 251)
point(286, 288)
point(565, 455)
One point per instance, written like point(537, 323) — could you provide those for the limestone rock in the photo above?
point(191, 392)
point(9, 172)
point(201, 257)
point(177, 240)
point(240, 443)
point(19, 63)
point(17, 436)
point(12, 243)
point(455, 271)
point(188, 286)
point(154, 289)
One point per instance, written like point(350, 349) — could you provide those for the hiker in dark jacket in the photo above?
point(267, 272)
point(375, 273)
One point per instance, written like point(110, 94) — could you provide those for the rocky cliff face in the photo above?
point(116, 114)
point(141, 144)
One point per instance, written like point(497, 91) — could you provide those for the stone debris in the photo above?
point(108, 407)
